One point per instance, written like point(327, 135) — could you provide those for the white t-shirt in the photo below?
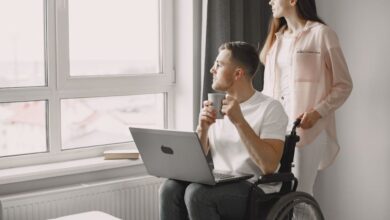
point(266, 117)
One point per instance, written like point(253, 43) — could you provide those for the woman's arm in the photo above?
point(336, 66)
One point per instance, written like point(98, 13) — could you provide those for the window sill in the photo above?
point(44, 171)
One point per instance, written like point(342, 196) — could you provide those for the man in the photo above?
point(248, 139)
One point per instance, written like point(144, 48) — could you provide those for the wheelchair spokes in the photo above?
point(296, 206)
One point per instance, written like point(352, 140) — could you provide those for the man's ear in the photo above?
point(239, 73)
point(293, 2)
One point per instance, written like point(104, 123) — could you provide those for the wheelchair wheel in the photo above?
point(295, 206)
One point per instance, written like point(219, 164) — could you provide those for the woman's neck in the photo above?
point(294, 25)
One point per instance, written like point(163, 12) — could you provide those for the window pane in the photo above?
point(105, 120)
point(22, 128)
point(113, 37)
point(21, 43)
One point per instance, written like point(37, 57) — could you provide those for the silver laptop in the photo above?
point(178, 155)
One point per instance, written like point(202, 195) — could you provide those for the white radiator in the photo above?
point(130, 199)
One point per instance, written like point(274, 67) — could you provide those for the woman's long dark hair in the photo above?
point(307, 10)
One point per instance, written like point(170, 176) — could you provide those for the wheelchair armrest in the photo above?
point(276, 177)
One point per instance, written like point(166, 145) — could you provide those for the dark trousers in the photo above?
point(183, 200)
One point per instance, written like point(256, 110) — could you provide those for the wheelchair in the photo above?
point(287, 204)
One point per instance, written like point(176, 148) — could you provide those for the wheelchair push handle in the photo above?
point(296, 124)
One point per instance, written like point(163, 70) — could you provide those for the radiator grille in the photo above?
point(130, 199)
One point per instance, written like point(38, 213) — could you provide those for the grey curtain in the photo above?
point(232, 20)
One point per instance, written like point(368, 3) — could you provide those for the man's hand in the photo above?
point(309, 119)
point(207, 116)
point(231, 108)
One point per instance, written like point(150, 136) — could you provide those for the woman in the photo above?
point(306, 71)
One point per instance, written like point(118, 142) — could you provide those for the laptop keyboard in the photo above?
point(222, 176)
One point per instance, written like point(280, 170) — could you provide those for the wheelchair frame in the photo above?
point(280, 205)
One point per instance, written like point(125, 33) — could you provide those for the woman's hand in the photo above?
point(309, 119)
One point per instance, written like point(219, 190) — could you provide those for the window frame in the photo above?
point(60, 86)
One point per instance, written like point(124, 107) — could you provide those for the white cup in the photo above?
point(216, 101)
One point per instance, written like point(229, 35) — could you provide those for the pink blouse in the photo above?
point(320, 81)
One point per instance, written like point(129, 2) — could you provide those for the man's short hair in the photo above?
point(243, 53)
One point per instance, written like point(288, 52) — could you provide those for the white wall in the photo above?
point(357, 185)
point(187, 23)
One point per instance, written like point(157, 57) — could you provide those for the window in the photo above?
point(132, 46)
point(22, 124)
point(75, 74)
point(105, 120)
point(22, 44)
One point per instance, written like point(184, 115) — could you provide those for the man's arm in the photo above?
point(265, 152)
point(204, 140)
